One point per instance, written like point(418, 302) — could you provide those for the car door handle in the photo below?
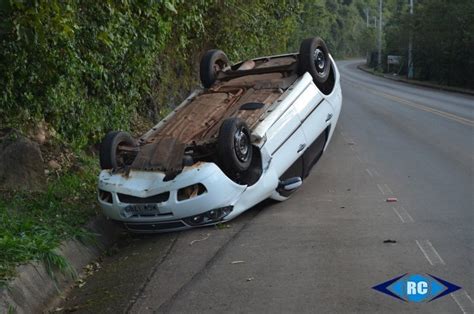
point(301, 147)
point(329, 117)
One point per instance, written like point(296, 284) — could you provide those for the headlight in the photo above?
point(212, 216)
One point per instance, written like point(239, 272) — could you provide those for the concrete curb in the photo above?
point(33, 289)
point(418, 83)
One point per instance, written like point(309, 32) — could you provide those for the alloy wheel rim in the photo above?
point(319, 60)
point(241, 145)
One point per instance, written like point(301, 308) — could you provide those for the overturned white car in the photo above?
point(253, 132)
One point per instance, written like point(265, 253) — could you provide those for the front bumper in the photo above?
point(120, 195)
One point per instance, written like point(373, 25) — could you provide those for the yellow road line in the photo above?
point(412, 104)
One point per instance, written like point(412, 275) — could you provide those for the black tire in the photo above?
point(234, 148)
point(314, 58)
point(109, 148)
point(212, 62)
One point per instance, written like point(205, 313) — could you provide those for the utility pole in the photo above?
point(410, 45)
point(366, 10)
point(379, 63)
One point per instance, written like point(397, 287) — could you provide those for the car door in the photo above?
point(315, 114)
point(285, 141)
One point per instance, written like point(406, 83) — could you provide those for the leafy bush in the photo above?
point(442, 36)
point(81, 66)
point(443, 41)
point(340, 23)
point(88, 67)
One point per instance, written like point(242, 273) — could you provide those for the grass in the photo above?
point(32, 225)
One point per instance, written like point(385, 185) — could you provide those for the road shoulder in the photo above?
point(35, 288)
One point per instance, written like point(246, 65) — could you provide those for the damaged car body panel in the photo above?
point(254, 133)
point(196, 124)
point(220, 191)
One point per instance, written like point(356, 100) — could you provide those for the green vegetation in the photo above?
point(81, 66)
point(92, 66)
point(32, 225)
point(340, 23)
point(442, 36)
point(443, 39)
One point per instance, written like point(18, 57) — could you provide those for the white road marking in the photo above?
point(384, 189)
point(424, 253)
point(372, 172)
point(430, 252)
point(469, 297)
point(435, 252)
point(380, 189)
point(403, 214)
point(464, 301)
point(398, 214)
point(358, 158)
point(458, 303)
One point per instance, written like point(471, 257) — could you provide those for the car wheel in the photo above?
point(212, 62)
point(314, 58)
point(234, 147)
point(109, 150)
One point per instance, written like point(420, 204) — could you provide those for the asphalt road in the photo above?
point(322, 250)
